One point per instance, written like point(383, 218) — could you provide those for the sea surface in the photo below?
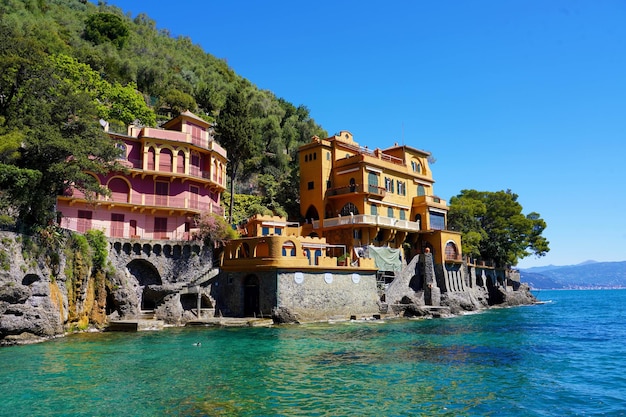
point(566, 357)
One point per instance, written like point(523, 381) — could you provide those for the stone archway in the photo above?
point(148, 280)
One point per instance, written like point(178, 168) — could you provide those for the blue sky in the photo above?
point(527, 95)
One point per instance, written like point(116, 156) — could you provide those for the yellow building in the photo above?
point(373, 199)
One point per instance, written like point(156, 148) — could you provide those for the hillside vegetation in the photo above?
point(65, 64)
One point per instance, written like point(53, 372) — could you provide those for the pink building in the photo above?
point(174, 173)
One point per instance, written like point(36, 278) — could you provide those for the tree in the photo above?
point(50, 133)
point(493, 227)
point(106, 27)
point(234, 132)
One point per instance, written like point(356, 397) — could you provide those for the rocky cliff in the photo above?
point(59, 283)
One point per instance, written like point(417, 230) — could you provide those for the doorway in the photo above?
point(251, 296)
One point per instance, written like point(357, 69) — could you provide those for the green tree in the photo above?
point(106, 27)
point(234, 132)
point(56, 124)
point(493, 227)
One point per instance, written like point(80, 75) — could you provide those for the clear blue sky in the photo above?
point(527, 95)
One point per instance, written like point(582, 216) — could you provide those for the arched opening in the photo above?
point(149, 281)
point(451, 251)
point(352, 185)
point(165, 160)
point(251, 306)
point(349, 209)
point(120, 190)
point(180, 162)
point(312, 214)
point(151, 157)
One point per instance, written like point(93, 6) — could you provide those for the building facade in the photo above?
point(371, 199)
point(174, 173)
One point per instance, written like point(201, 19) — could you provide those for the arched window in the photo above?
point(180, 162)
point(402, 215)
point(165, 160)
point(349, 209)
point(451, 251)
point(119, 190)
point(421, 190)
point(352, 185)
point(151, 159)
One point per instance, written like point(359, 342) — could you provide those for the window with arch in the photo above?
point(451, 251)
point(120, 190)
point(180, 162)
point(421, 190)
point(414, 166)
point(402, 214)
point(349, 209)
point(165, 160)
point(151, 159)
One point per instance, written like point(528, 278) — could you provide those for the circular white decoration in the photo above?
point(298, 277)
point(356, 278)
point(328, 277)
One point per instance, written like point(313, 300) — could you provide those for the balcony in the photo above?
point(372, 190)
point(369, 220)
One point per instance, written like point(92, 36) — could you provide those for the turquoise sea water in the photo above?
point(563, 358)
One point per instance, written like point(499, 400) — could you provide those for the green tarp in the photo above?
point(387, 259)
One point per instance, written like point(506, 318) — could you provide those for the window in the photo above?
point(401, 188)
point(122, 148)
point(194, 192)
point(151, 158)
point(420, 190)
point(374, 210)
point(389, 184)
point(117, 225)
point(160, 227)
point(352, 185)
point(311, 185)
point(306, 158)
point(165, 160)
point(328, 156)
point(437, 221)
point(402, 214)
point(278, 231)
point(328, 184)
point(265, 230)
point(372, 181)
point(357, 234)
point(315, 156)
point(84, 221)
point(451, 252)
point(389, 211)
point(349, 209)
point(161, 190)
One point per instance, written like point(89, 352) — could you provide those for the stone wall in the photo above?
point(44, 294)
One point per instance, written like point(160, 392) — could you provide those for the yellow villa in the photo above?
point(374, 201)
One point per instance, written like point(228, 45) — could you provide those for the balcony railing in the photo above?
point(369, 220)
point(356, 188)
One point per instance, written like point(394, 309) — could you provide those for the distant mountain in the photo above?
point(589, 274)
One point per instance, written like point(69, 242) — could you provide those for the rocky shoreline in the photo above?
point(46, 294)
